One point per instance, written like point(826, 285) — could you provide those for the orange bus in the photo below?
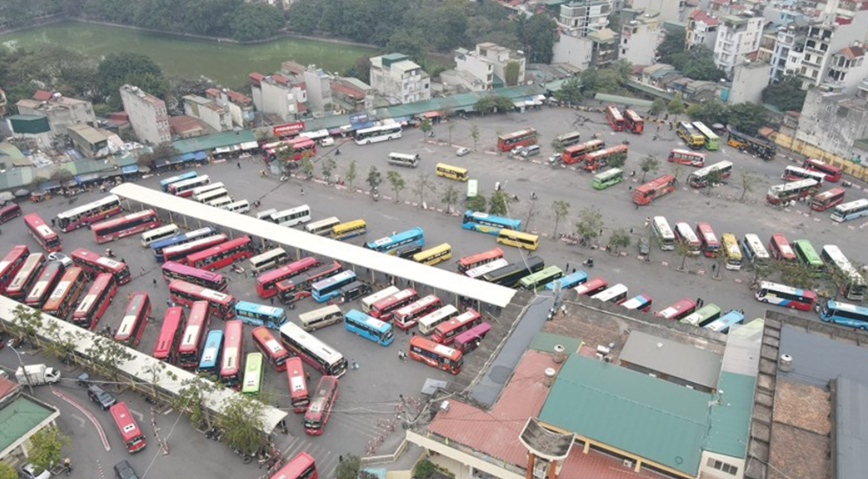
point(435, 355)
point(297, 384)
point(517, 138)
point(614, 117)
point(472, 261)
point(599, 159)
point(577, 153)
point(828, 199)
point(633, 121)
point(130, 433)
point(446, 332)
point(135, 319)
point(23, 280)
point(11, 264)
point(95, 302)
point(654, 189)
point(170, 335)
point(270, 347)
point(66, 293)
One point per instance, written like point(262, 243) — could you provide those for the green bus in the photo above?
point(712, 141)
point(539, 280)
point(472, 187)
point(808, 256)
point(703, 315)
point(610, 177)
point(253, 371)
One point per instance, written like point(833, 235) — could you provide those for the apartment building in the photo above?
point(318, 86)
point(639, 40)
point(490, 64)
point(240, 106)
point(701, 30)
point(738, 35)
point(585, 16)
point(833, 50)
point(209, 111)
point(665, 10)
point(62, 112)
point(788, 49)
point(277, 95)
point(147, 115)
point(399, 79)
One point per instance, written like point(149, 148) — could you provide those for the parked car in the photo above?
point(532, 150)
point(644, 246)
point(327, 141)
point(516, 151)
point(65, 260)
point(124, 470)
point(101, 397)
point(462, 151)
point(28, 471)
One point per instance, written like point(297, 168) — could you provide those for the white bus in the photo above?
point(486, 268)
point(685, 235)
point(315, 135)
point(316, 353)
point(428, 323)
point(204, 189)
point(850, 211)
point(614, 294)
point(851, 283)
point(158, 234)
point(568, 139)
point(699, 178)
point(240, 207)
point(374, 134)
point(663, 233)
point(266, 215)
point(221, 202)
point(369, 301)
point(794, 173)
point(401, 159)
point(320, 318)
point(268, 260)
point(212, 195)
point(754, 249)
point(292, 216)
point(322, 227)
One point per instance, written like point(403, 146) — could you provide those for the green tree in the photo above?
point(307, 167)
point(696, 63)
point(786, 94)
point(673, 43)
point(761, 271)
point(285, 157)
point(156, 372)
point(709, 112)
point(648, 164)
point(747, 117)
point(619, 239)
point(374, 178)
point(797, 275)
point(61, 345)
point(351, 173)
point(328, 167)
point(191, 400)
point(7, 471)
point(474, 133)
point(122, 68)
point(107, 356)
point(498, 204)
point(590, 224)
point(511, 72)
point(450, 198)
point(617, 160)
point(426, 126)
point(47, 446)
point(477, 203)
point(657, 107)
point(349, 468)
point(241, 421)
point(424, 469)
point(571, 90)
point(397, 182)
point(561, 209)
point(538, 34)
point(424, 185)
point(748, 182)
point(26, 323)
point(161, 152)
point(255, 21)
point(408, 42)
point(713, 179)
point(675, 106)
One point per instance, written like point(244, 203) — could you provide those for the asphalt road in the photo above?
point(368, 396)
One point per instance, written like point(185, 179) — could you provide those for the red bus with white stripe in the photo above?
point(94, 264)
point(297, 384)
point(320, 408)
point(66, 293)
point(95, 301)
point(193, 339)
point(406, 317)
point(24, 279)
point(135, 319)
point(266, 282)
point(592, 287)
point(446, 332)
point(479, 259)
point(780, 248)
point(89, 213)
point(833, 173)
point(180, 253)
point(614, 118)
point(168, 341)
point(270, 347)
point(45, 236)
point(710, 245)
point(384, 308)
point(302, 466)
point(297, 287)
point(233, 351)
point(12, 264)
point(224, 254)
point(124, 226)
point(677, 310)
point(130, 433)
point(44, 285)
point(435, 355)
point(221, 305)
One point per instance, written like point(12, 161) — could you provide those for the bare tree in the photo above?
point(424, 185)
point(748, 182)
point(561, 209)
point(474, 133)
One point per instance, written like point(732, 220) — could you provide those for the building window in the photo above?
point(722, 466)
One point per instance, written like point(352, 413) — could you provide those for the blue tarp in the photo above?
point(200, 155)
point(129, 169)
point(363, 125)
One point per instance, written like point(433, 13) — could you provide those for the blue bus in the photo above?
point(723, 323)
point(159, 246)
point(391, 244)
point(260, 314)
point(488, 224)
point(641, 302)
point(846, 314)
point(367, 327)
point(211, 352)
point(569, 281)
point(164, 184)
point(329, 288)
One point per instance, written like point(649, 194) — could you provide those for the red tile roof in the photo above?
point(213, 92)
point(184, 124)
point(350, 92)
point(6, 386)
point(256, 78)
point(42, 95)
point(700, 16)
point(852, 52)
point(280, 78)
point(238, 97)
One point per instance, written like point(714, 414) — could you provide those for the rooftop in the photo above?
point(144, 96)
point(42, 95)
point(183, 125)
point(800, 432)
point(20, 417)
point(700, 16)
point(852, 53)
point(818, 359)
point(89, 133)
point(210, 142)
point(238, 97)
point(851, 428)
point(672, 358)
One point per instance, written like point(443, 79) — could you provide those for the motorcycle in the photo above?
point(588, 263)
point(245, 458)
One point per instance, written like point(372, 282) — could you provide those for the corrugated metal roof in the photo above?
point(623, 100)
point(210, 142)
point(730, 415)
point(20, 417)
point(743, 344)
point(672, 358)
point(851, 428)
point(655, 419)
point(546, 342)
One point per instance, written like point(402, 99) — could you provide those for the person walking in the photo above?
point(141, 271)
point(302, 192)
point(239, 165)
point(155, 282)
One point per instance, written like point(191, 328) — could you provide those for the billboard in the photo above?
point(288, 129)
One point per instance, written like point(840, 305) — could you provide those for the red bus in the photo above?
point(654, 189)
point(92, 212)
point(179, 253)
point(45, 236)
point(406, 317)
point(592, 286)
point(435, 355)
point(828, 199)
point(135, 319)
point(577, 153)
point(833, 173)
point(780, 248)
point(12, 264)
point(266, 282)
point(223, 254)
point(9, 211)
point(193, 339)
point(302, 466)
point(297, 384)
point(221, 305)
point(233, 351)
point(173, 270)
point(687, 157)
point(517, 138)
point(23, 280)
point(445, 332)
point(127, 427)
point(298, 287)
point(472, 261)
point(66, 293)
point(599, 159)
point(320, 408)
point(677, 310)
point(615, 119)
point(470, 339)
point(710, 243)
point(270, 347)
point(384, 308)
point(93, 264)
point(44, 284)
point(633, 121)
point(124, 226)
point(95, 301)
point(170, 335)
point(301, 147)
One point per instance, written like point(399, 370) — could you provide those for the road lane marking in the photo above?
point(87, 413)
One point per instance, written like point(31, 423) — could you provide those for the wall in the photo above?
point(575, 51)
point(460, 457)
point(639, 42)
point(669, 10)
point(708, 472)
point(813, 151)
point(834, 121)
point(748, 82)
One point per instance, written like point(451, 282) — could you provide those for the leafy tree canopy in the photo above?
point(118, 69)
point(787, 94)
point(253, 21)
point(747, 117)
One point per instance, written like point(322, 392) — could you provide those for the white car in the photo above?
point(62, 258)
point(327, 141)
point(28, 471)
point(462, 151)
point(516, 151)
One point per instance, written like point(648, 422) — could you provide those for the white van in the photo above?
point(531, 150)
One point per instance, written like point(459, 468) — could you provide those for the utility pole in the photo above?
point(23, 368)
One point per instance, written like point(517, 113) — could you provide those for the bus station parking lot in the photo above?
point(369, 398)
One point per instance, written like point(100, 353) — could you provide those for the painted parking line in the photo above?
point(87, 413)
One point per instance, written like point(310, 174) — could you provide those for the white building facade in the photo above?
point(737, 36)
point(147, 114)
point(399, 79)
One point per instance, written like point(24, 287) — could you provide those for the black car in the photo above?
point(101, 397)
point(124, 470)
point(644, 246)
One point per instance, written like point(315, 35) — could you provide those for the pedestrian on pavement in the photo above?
point(271, 300)
point(239, 165)
point(631, 230)
point(699, 301)
point(567, 267)
point(340, 458)
point(713, 267)
point(307, 375)
point(574, 270)
point(155, 282)
point(53, 221)
point(123, 261)
point(302, 192)
point(141, 271)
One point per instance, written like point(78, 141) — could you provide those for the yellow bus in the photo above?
point(349, 229)
point(690, 135)
point(731, 250)
point(451, 172)
point(432, 256)
point(518, 239)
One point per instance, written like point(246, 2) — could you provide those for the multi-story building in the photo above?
point(490, 65)
point(701, 30)
point(318, 86)
point(748, 81)
point(666, 10)
point(737, 36)
point(277, 95)
point(788, 49)
point(585, 16)
point(824, 49)
point(209, 111)
point(147, 115)
point(240, 105)
point(353, 94)
point(62, 112)
point(91, 142)
point(399, 79)
point(639, 40)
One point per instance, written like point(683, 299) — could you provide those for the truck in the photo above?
point(37, 375)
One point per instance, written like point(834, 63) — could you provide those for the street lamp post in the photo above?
point(23, 368)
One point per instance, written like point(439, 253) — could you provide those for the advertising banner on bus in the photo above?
point(288, 129)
